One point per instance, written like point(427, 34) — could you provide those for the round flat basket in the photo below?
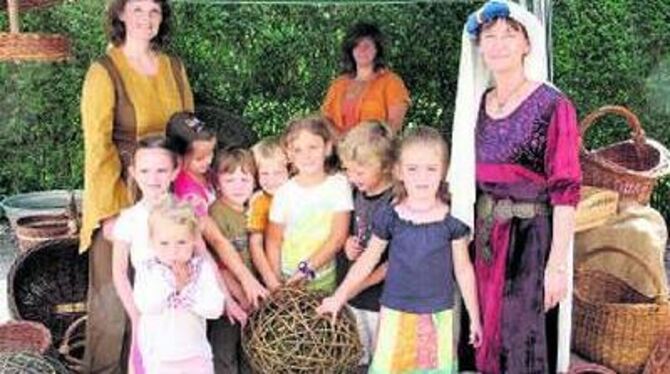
point(29, 363)
point(31, 4)
point(20, 336)
point(33, 47)
point(286, 335)
point(55, 202)
point(48, 284)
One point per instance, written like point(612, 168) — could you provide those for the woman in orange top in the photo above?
point(366, 89)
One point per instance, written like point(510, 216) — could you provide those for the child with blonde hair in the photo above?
point(427, 250)
point(309, 216)
point(367, 154)
point(272, 172)
point(175, 290)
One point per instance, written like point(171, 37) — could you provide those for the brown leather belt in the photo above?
point(490, 210)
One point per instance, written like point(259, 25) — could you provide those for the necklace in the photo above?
point(500, 104)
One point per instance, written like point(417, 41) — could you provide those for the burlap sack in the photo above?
point(639, 231)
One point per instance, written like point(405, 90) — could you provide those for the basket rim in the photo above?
point(18, 262)
point(661, 169)
point(654, 302)
point(36, 325)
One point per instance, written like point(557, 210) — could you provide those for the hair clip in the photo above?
point(195, 124)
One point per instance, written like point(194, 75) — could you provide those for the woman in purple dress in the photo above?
point(518, 184)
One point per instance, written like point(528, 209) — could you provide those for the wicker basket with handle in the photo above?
point(18, 46)
point(613, 324)
point(31, 4)
point(629, 167)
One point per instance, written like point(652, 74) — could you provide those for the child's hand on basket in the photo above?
point(331, 305)
point(235, 313)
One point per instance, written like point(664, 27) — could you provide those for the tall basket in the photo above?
point(629, 167)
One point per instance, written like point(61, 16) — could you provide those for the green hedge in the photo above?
point(267, 63)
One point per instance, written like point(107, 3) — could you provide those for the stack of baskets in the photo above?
point(48, 283)
point(18, 46)
point(614, 324)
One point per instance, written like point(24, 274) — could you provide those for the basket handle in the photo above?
point(659, 297)
point(65, 349)
point(638, 134)
point(13, 10)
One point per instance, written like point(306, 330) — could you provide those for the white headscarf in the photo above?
point(473, 79)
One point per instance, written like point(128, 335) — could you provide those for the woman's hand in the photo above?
point(331, 305)
point(555, 287)
point(475, 334)
point(352, 248)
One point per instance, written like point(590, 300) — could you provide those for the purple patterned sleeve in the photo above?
point(562, 155)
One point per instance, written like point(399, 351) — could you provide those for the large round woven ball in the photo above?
point(29, 363)
point(286, 335)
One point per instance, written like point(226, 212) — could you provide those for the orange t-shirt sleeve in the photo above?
point(396, 93)
point(259, 213)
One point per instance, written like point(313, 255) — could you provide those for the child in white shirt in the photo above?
point(175, 291)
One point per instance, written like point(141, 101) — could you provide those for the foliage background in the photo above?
point(269, 62)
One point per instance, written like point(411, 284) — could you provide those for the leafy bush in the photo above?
point(267, 63)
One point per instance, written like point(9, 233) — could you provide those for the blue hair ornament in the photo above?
point(491, 10)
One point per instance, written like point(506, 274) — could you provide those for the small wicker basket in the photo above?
point(22, 336)
point(17, 46)
point(629, 167)
point(613, 324)
point(32, 4)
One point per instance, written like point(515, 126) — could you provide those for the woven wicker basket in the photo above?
point(29, 363)
point(287, 336)
point(31, 4)
point(17, 46)
point(21, 336)
point(48, 283)
point(33, 230)
point(659, 360)
point(613, 324)
point(629, 167)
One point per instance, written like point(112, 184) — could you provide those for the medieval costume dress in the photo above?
point(517, 168)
